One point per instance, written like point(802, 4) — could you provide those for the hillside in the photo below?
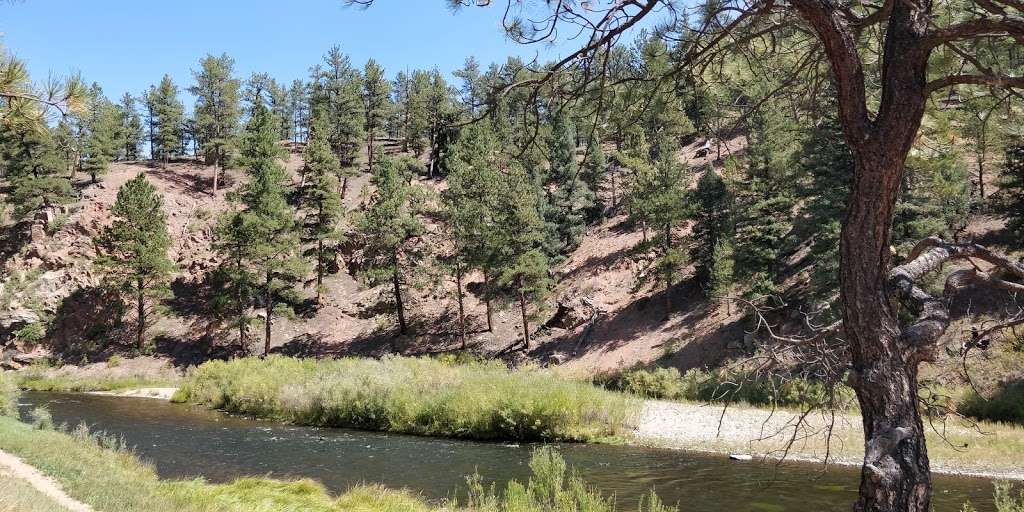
point(602, 316)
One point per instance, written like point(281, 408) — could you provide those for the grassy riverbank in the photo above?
point(111, 479)
point(414, 396)
point(113, 375)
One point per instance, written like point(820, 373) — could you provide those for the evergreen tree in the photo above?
point(166, 115)
point(217, 110)
point(1012, 184)
point(659, 197)
point(389, 224)
point(337, 94)
point(323, 209)
point(376, 91)
point(280, 107)
point(595, 166)
point(267, 222)
point(722, 278)
point(470, 210)
point(102, 138)
point(257, 92)
point(712, 224)
point(131, 128)
point(34, 167)
point(570, 196)
point(520, 262)
point(298, 106)
point(133, 250)
point(827, 161)
point(234, 281)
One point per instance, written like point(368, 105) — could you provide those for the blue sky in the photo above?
point(128, 45)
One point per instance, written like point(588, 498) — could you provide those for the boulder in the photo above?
point(572, 313)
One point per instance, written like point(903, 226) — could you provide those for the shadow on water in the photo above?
point(186, 441)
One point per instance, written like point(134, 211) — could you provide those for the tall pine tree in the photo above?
point(217, 110)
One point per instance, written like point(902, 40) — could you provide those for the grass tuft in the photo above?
point(412, 395)
point(9, 393)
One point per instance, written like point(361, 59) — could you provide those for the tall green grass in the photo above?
point(420, 396)
point(720, 386)
point(109, 477)
point(8, 394)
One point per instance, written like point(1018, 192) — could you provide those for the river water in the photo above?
point(187, 441)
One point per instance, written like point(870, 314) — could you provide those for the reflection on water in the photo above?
point(187, 441)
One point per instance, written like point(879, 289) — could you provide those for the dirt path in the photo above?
point(42, 483)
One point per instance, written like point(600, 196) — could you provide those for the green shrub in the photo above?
point(1007, 405)
point(1005, 500)
point(720, 386)
point(31, 333)
point(551, 487)
point(9, 393)
point(481, 400)
point(41, 418)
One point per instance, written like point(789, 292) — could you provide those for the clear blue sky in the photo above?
point(128, 45)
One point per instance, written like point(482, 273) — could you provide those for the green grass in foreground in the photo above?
point(420, 396)
point(8, 394)
point(113, 480)
point(17, 495)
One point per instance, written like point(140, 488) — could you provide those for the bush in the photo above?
point(1005, 500)
point(720, 386)
point(41, 419)
point(1007, 405)
point(8, 395)
point(421, 396)
point(551, 487)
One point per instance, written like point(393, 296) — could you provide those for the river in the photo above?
point(185, 441)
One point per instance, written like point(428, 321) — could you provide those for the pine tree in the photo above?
point(388, 225)
point(595, 166)
point(722, 278)
point(470, 210)
point(376, 91)
point(825, 158)
point(267, 222)
point(101, 142)
point(659, 198)
point(34, 168)
point(131, 128)
point(337, 94)
point(320, 200)
point(280, 107)
point(298, 106)
point(521, 264)
point(1012, 183)
point(257, 92)
point(133, 250)
point(570, 198)
point(166, 115)
point(712, 224)
point(234, 281)
point(217, 110)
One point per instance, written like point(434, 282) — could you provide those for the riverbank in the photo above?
point(982, 449)
point(103, 476)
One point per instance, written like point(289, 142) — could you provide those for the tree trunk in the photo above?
point(522, 309)
point(344, 187)
point(462, 310)
point(668, 272)
point(319, 267)
point(216, 176)
point(140, 332)
point(895, 475)
point(399, 306)
point(267, 324)
point(487, 301)
point(369, 152)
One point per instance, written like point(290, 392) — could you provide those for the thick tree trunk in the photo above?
point(895, 475)
point(369, 152)
point(319, 268)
